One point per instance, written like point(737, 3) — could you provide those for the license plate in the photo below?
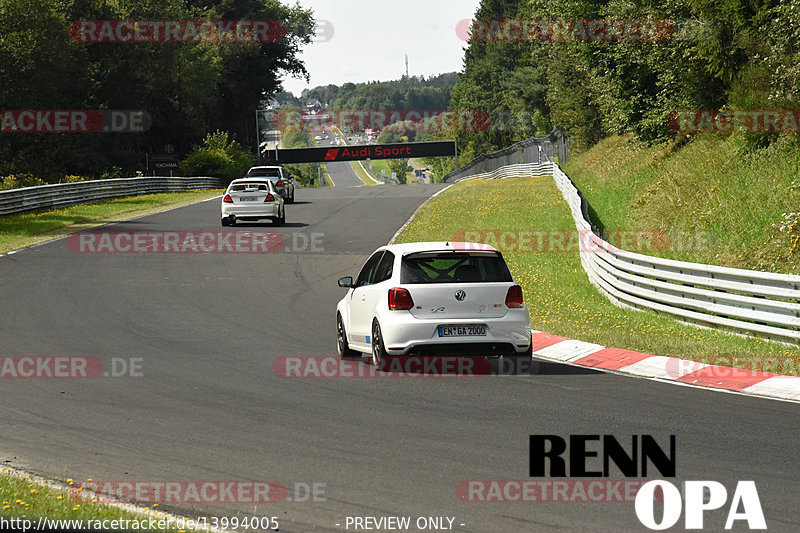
point(462, 331)
point(248, 199)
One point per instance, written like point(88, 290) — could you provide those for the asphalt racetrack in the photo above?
point(206, 329)
point(341, 173)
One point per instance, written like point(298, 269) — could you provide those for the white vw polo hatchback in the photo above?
point(433, 298)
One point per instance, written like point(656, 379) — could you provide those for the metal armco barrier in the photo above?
point(750, 302)
point(533, 150)
point(65, 194)
point(523, 170)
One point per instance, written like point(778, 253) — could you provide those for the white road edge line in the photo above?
point(361, 164)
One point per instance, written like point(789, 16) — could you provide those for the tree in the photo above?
point(219, 156)
point(399, 167)
point(188, 89)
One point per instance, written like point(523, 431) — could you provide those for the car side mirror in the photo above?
point(346, 282)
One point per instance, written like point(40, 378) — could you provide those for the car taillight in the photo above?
point(514, 296)
point(269, 198)
point(279, 184)
point(228, 199)
point(400, 299)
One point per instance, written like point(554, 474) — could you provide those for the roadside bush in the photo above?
point(18, 181)
point(219, 157)
point(114, 172)
point(400, 168)
point(295, 139)
point(303, 173)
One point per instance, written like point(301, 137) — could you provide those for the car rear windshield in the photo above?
point(268, 172)
point(250, 187)
point(454, 267)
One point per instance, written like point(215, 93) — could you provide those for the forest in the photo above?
point(187, 89)
point(533, 62)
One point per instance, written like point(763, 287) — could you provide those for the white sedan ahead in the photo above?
point(433, 298)
point(252, 199)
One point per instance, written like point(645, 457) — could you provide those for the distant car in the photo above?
point(252, 199)
point(434, 298)
point(284, 183)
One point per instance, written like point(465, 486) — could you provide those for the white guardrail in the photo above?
point(83, 192)
point(522, 170)
point(755, 303)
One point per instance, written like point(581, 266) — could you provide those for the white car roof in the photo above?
point(260, 179)
point(437, 246)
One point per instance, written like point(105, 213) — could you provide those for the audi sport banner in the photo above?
point(361, 152)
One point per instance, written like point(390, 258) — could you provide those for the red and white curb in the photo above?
point(669, 369)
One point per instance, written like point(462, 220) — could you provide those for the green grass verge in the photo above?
point(19, 231)
point(362, 174)
point(380, 164)
point(557, 291)
point(327, 176)
point(383, 164)
point(719, 203)
point(23, 498)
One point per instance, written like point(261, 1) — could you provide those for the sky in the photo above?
point(367, 40)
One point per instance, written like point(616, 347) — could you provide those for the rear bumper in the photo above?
point(405, 335)
point(251, 212)
point(486, 349)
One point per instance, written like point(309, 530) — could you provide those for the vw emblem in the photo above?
point(460, 295)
